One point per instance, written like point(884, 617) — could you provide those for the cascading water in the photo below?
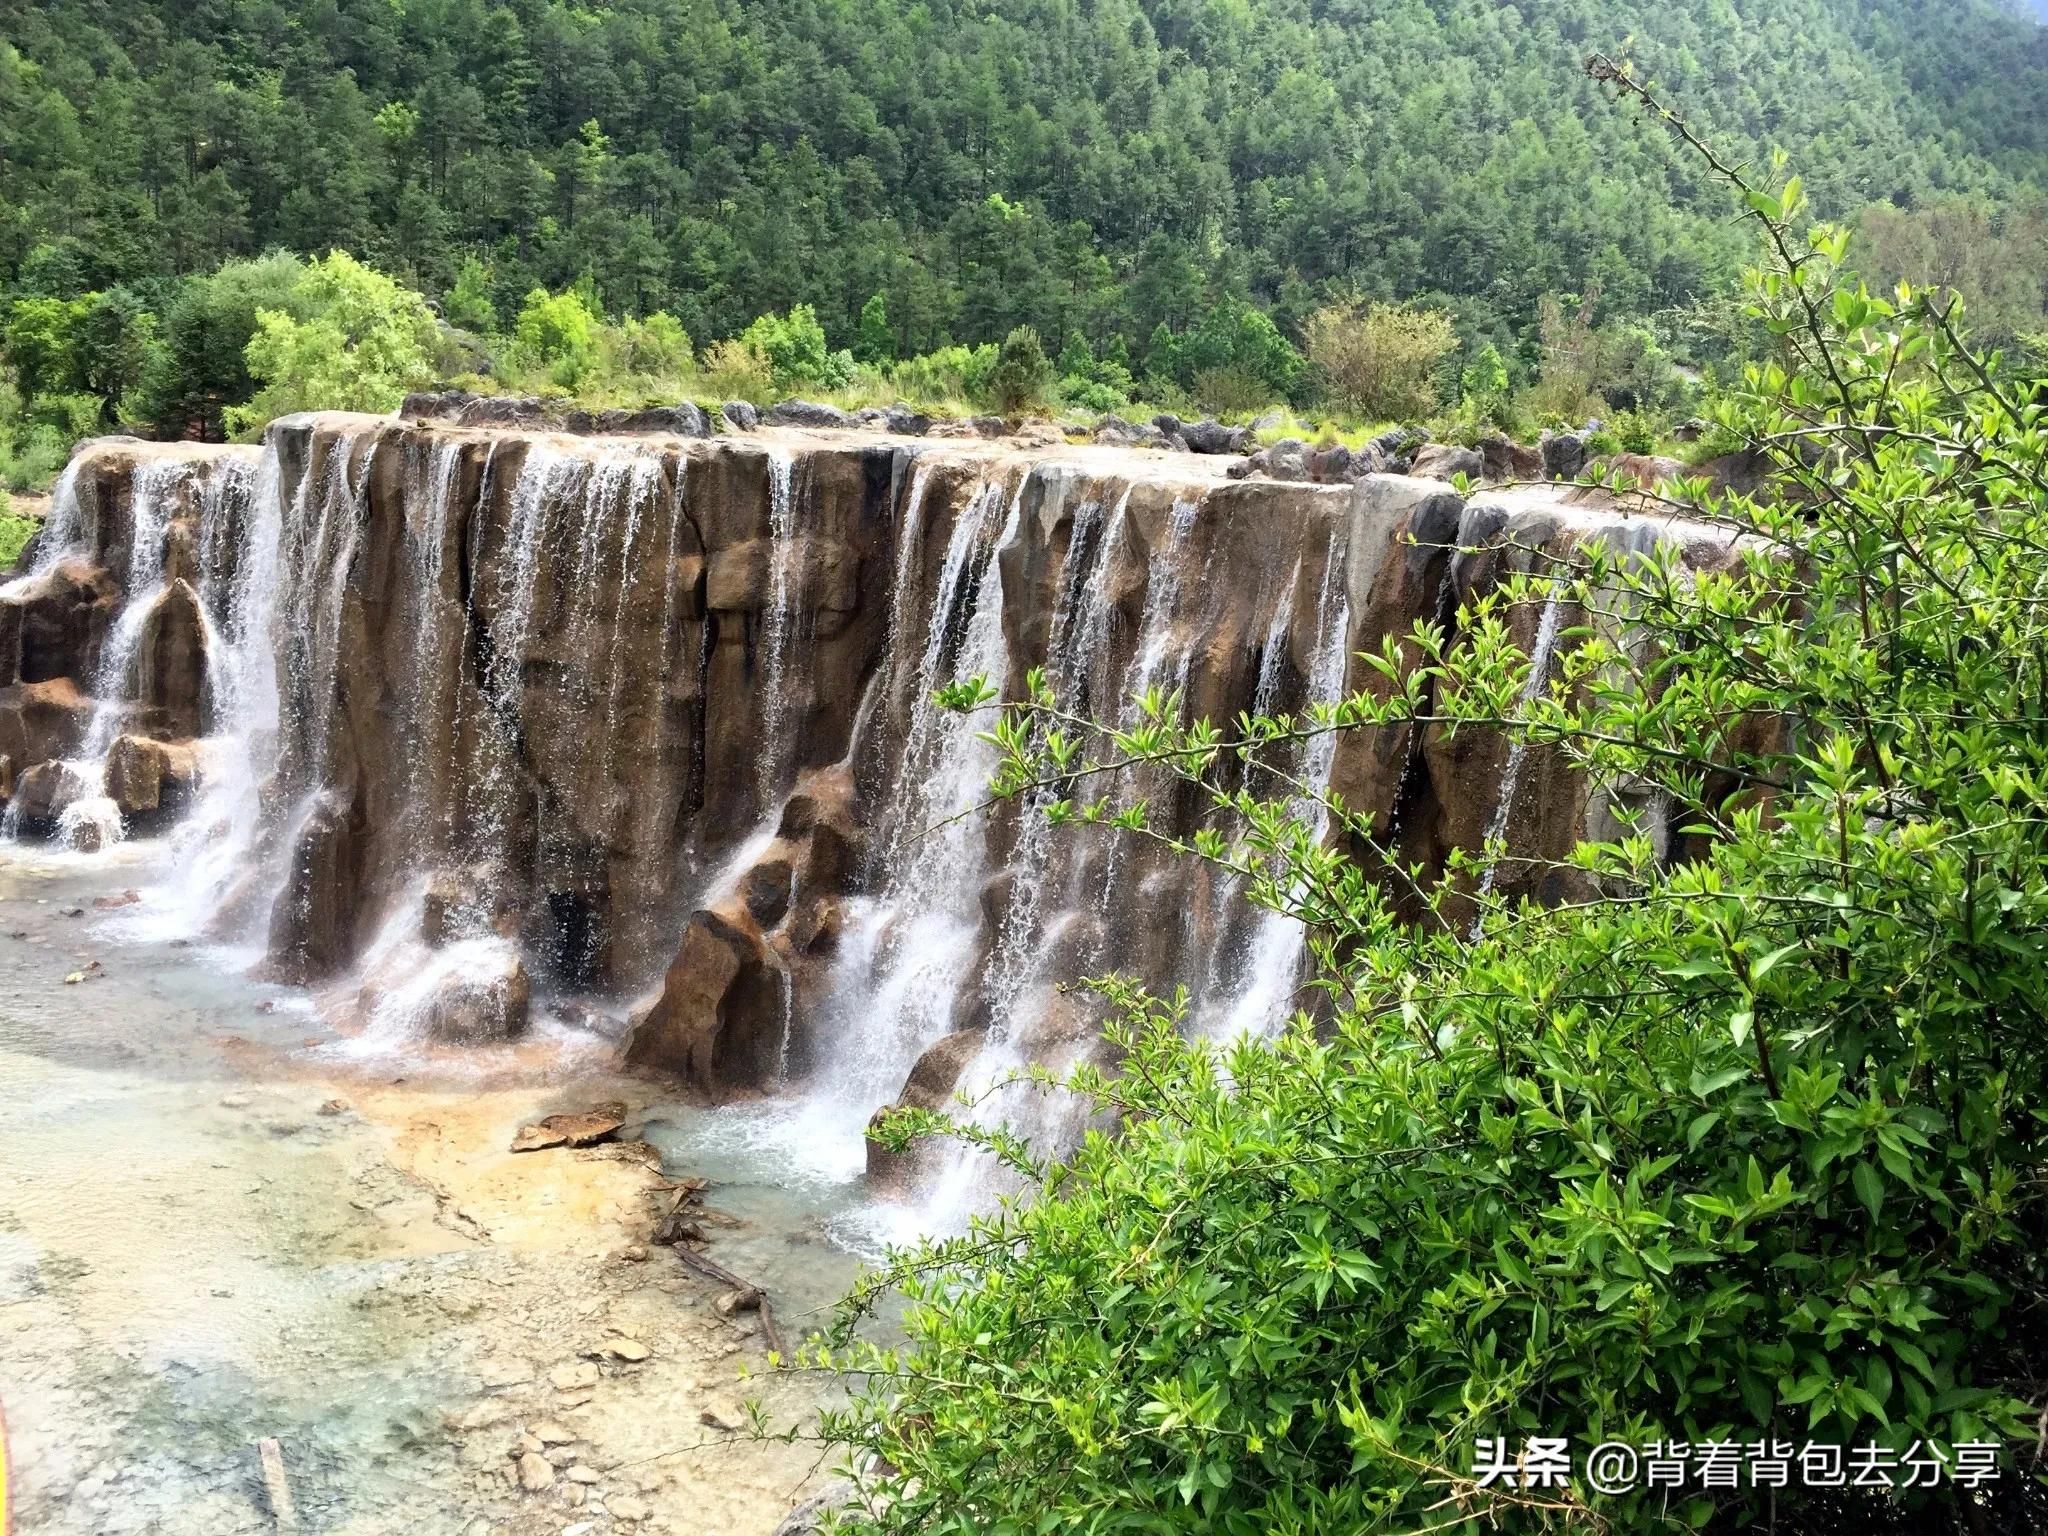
point(894, 983)
point(1271, 974)
point(1511, 775)
point(778, 625)
point(450, 719)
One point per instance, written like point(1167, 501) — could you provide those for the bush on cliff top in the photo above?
point(1743, 1146)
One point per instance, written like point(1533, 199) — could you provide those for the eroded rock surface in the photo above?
point(634, 711)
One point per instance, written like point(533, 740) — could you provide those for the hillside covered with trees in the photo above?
point(1101, 168)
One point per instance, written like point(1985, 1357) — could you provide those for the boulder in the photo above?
point(487, 998)
point(1446, 461)
point(807, 413)
point(1564, 455)
point(506, 411)
point(42, 792)
point(905, 422)
point(1644, 471)
point(42, 721)
point(740, 416)
point(717, 1022)
point(50, 624)
point(683, 419)
point(146, 776)
point(1502, 458)
point(435, 405)
point(1211, 436)
point(1288, 460)
point(1332, 465)
point(931, 1085)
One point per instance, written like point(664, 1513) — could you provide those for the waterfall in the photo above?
point(63, 532)
point(453, 733)
point(1511, 776)
point(892, 987)
point(216, 841)
point(778, 625)
point(1275, 953)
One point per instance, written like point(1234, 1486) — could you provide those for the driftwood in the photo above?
point(276, 1486)
point(679, 1228)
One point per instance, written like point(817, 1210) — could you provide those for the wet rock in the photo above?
point(905, 422)
point(740, 415)
point(582, 1128)
point(317, 916)
point(807, 413)
point(711, 1023)
point(488, 997)
point(41, 723)
point(43, 793)
point(931, 1085)
point(50, 625)
point(146, 776)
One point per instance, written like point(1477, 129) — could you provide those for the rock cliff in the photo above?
point(467, 712)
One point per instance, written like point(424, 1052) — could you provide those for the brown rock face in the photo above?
point(146, 776)
point(647, 713)
point(51, 622)
point(42, 721)
point(170, 664)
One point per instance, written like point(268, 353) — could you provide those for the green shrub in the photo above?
point(1379, 360)
point(558, 334)
point(794, 345)
point(357, 342)
point(950, 373)
point(1636, 431)
point(1745, 1143)
point(1021, 377)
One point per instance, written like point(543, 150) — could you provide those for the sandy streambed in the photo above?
point(219, 1223)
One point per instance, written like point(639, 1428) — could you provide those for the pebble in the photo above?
point(533, 1445)
point(626, 1349)
point(626, 1507)
point(583, 1475)
point(548, 1432)
point(568, 1378)
point(535, 1473)
point(633, 1253)
point(724, 1415)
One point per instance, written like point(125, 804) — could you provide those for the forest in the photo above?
point(1166, 193)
